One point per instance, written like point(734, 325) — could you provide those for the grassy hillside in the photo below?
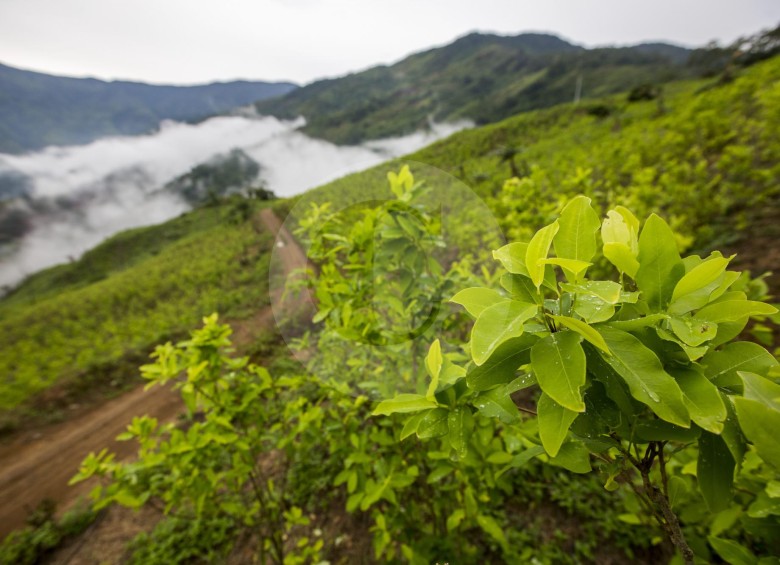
point(707, 156)
point(140, 287)
point(480, 77)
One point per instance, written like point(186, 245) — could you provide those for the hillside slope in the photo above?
point(37, 109)
point(480, 77)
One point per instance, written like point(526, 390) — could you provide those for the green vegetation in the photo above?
point(484, 78)
point(601, 407)
point(637, 376)
point(135, 290)
point(709, 160)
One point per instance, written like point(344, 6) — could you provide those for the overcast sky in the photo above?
point(191, 41)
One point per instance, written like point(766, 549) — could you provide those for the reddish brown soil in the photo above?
point(37, 464)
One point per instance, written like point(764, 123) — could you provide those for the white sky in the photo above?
point(192, 41)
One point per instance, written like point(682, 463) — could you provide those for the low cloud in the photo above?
point(77, 196)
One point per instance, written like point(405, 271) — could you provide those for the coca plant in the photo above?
point(634, 368)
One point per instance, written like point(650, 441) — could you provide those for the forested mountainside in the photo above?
point(37, 109)
point(480, 77)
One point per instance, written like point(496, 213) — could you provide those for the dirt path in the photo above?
point(38, 468)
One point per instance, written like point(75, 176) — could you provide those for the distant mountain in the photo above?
point(37, 110)
point(480, 76)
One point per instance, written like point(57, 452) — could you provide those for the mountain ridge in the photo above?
point(38, 109)
point(479, 76)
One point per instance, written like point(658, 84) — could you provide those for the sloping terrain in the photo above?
point(479, 77)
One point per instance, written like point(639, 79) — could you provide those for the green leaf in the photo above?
point(554, 422)
point(692, 331)
point(497, 403)
point(660, 266)
point(461, 425)
point(519, 287)
point(642, 371)
point(608, 291)
point(585, 330)
point(512, 257)
point(558, 362)
point(761, 389)
point(433, 362)
point(702, 399)
point(731, 552)
point(733, 310)
point(496, 325)
point(403, 403)
point(439, 473)
point(572, 267)
point(715, 471)
point(760, 424)
point(501, 367)
point(574, 457)
point(700, 276)
point(411, 424)
point(491, 528)
point(576, 238)
point(721, 366)
point(454, 519)
point(477, 299)
point(538, 248)
point(620, 255)
point(434, 424)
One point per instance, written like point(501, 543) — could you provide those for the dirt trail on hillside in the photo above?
point(34, 467)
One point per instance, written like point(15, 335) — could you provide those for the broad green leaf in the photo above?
point(608, 291)
point(433, 362)
point(574, 457)
point(733, 310)
point(659, 430)
point(620, 255)
point(403, 403)
point(558, 362)
point(461, 425)
point(554, 422)
point(702, 399)
point(593, 309)
point(538, 248)
point(760, 423)
point(617, 228)
point(660, 266)
point(496, 325)
point(573, 268)
point(477, 299)
point(439, 473)
point(731, 552)
point(512, 257)
point(700, 276)
point(502, 365)
point(764, 506)
point(761, 389)
point(576, 238)
point(433, 424)
point(497, 403)
point(585, 330)
point(411, 424)
point(519, 287)
point(642, 371)
point(721, 366)
point(715, 471)
point(693, 331)
point(732, 433)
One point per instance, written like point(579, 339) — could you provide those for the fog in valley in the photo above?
point(59, 202)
